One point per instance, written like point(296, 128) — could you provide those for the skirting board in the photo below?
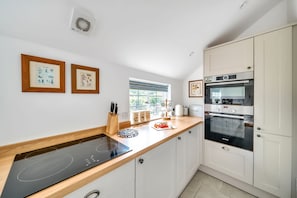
point(234, 182)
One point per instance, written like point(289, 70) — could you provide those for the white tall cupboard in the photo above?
point(273, 112)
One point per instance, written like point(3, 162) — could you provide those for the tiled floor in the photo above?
point(205, 186)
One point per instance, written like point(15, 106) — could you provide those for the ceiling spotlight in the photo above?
point(243, 4)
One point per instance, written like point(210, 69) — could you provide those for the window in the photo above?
point(148, 96)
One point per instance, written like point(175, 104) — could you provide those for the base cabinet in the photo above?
point(232, 161)
point(155, 172)
point(187, 157)
point(115, 184)
point(273, 164)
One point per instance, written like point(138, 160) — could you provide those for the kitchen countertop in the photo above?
point(147, 139)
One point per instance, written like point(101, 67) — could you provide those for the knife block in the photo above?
point(112, 126)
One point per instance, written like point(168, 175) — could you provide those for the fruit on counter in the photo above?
point(161, 125)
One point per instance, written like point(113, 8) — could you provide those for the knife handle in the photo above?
point(111, 107)
point(116, 108)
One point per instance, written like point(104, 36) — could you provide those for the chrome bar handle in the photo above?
point(226, 116)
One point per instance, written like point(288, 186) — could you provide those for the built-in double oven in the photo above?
point(229, 116)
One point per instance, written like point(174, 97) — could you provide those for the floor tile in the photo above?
point(206, 186)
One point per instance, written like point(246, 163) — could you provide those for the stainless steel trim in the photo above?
point(229, 109)
point(228, 83)
point(239, 76)
point(226, 116)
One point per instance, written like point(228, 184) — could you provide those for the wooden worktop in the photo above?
point(147, 139)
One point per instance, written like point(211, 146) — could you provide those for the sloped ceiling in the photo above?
point(166, 37)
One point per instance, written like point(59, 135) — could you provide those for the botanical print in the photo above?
point(44, 75)
point(195, 88)
point(86, 80)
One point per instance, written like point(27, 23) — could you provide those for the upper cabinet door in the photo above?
point(230, 58)
point(273, 82)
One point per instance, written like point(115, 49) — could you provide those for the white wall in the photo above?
point(275, 18)
point(195, 75)
point(292, 11)
point(26, 116)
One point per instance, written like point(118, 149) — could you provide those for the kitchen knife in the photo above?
point(116, 108)
point(111, 107)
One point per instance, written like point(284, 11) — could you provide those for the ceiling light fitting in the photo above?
point(82, 21)
point(243, 4)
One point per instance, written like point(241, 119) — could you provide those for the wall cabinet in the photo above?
point(273, 164)
point(115, 184)
point(155, 172)
point(273, 112)
point(187, 157)
point(229, 58)
point(232, 161)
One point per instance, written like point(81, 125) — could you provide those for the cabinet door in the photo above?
point(272, 168)
point(230, 58)
point(115, 184)
point(181, 181)
point(273, 82)
point(232, 161)
point(155, 172)
point(187, 158)
point(192, 152)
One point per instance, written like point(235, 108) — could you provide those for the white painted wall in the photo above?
point(274, 18)
point(26, 116)
point(195, 75)
point(292, 11)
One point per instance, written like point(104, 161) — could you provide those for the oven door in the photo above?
point(235, 130)
point(230, 93)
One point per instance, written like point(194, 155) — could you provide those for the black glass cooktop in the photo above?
point(39, 169)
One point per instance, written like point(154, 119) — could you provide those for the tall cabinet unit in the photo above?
point(273, 112)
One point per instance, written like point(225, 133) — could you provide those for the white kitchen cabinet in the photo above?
point(187, 157)
point(155, 172)
point(272, 172)
point(232, 161)
point(229, 58)
point(273, 82)
point(115, 184)
point(273, 112)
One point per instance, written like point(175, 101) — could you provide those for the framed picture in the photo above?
point(84, 79)
point(42, 74)
point(196, 88)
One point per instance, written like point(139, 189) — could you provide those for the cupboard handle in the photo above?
point(141, 160)
point(225, 148)
point(259, 128)
point(258, 135)
point(92, 194)
point(249, 67)
point(190, 132)
point(179, 138)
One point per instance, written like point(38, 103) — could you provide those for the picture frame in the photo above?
point(195, 88)
point(84, 79)
point(42, 74)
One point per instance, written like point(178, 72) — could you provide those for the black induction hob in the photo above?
point(39, 169)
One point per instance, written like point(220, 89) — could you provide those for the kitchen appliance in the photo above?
point(179, 110)
point(229, 115)
point(231, 89)
point(39, 169)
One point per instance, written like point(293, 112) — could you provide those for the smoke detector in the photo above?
point(82, 21)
